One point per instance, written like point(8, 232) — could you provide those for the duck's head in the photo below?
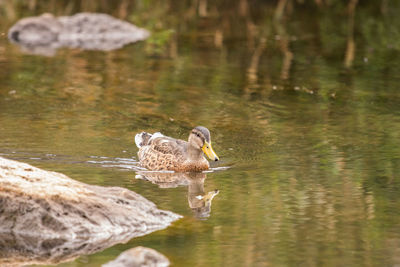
point(200, 138)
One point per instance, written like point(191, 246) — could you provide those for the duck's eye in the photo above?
point(198, 135)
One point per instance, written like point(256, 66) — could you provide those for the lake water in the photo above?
point(308, 133)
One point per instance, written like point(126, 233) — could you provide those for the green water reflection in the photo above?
point(309, 129)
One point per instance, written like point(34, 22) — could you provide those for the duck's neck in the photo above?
point(194, 153)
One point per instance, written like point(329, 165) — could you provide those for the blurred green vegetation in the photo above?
point(376, 25)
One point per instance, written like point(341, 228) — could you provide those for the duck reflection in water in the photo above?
point(199, 201)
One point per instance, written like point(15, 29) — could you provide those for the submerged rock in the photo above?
point(139, 257)
point(46, 217)
point(89, 31)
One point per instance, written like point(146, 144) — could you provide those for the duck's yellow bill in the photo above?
point(207, 149)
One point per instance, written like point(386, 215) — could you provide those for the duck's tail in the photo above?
point(144, 139)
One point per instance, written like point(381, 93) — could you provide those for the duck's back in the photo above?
point(158, 152)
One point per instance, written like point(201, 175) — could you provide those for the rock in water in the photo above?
point(139, 257)
point(88, 31)
point(46, 217)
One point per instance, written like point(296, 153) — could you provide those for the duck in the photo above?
point(158, 152)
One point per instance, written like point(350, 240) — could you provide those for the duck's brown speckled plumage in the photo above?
point(157, 152)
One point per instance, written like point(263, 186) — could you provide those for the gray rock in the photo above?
point(88, 31)
point(35, 31)
point(46, 217)
point(139, 257)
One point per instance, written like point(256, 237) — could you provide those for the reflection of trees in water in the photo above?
point(199, 201)
point(265, 28)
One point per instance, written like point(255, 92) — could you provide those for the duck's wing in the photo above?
point(169, 146)
point(162, 153)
